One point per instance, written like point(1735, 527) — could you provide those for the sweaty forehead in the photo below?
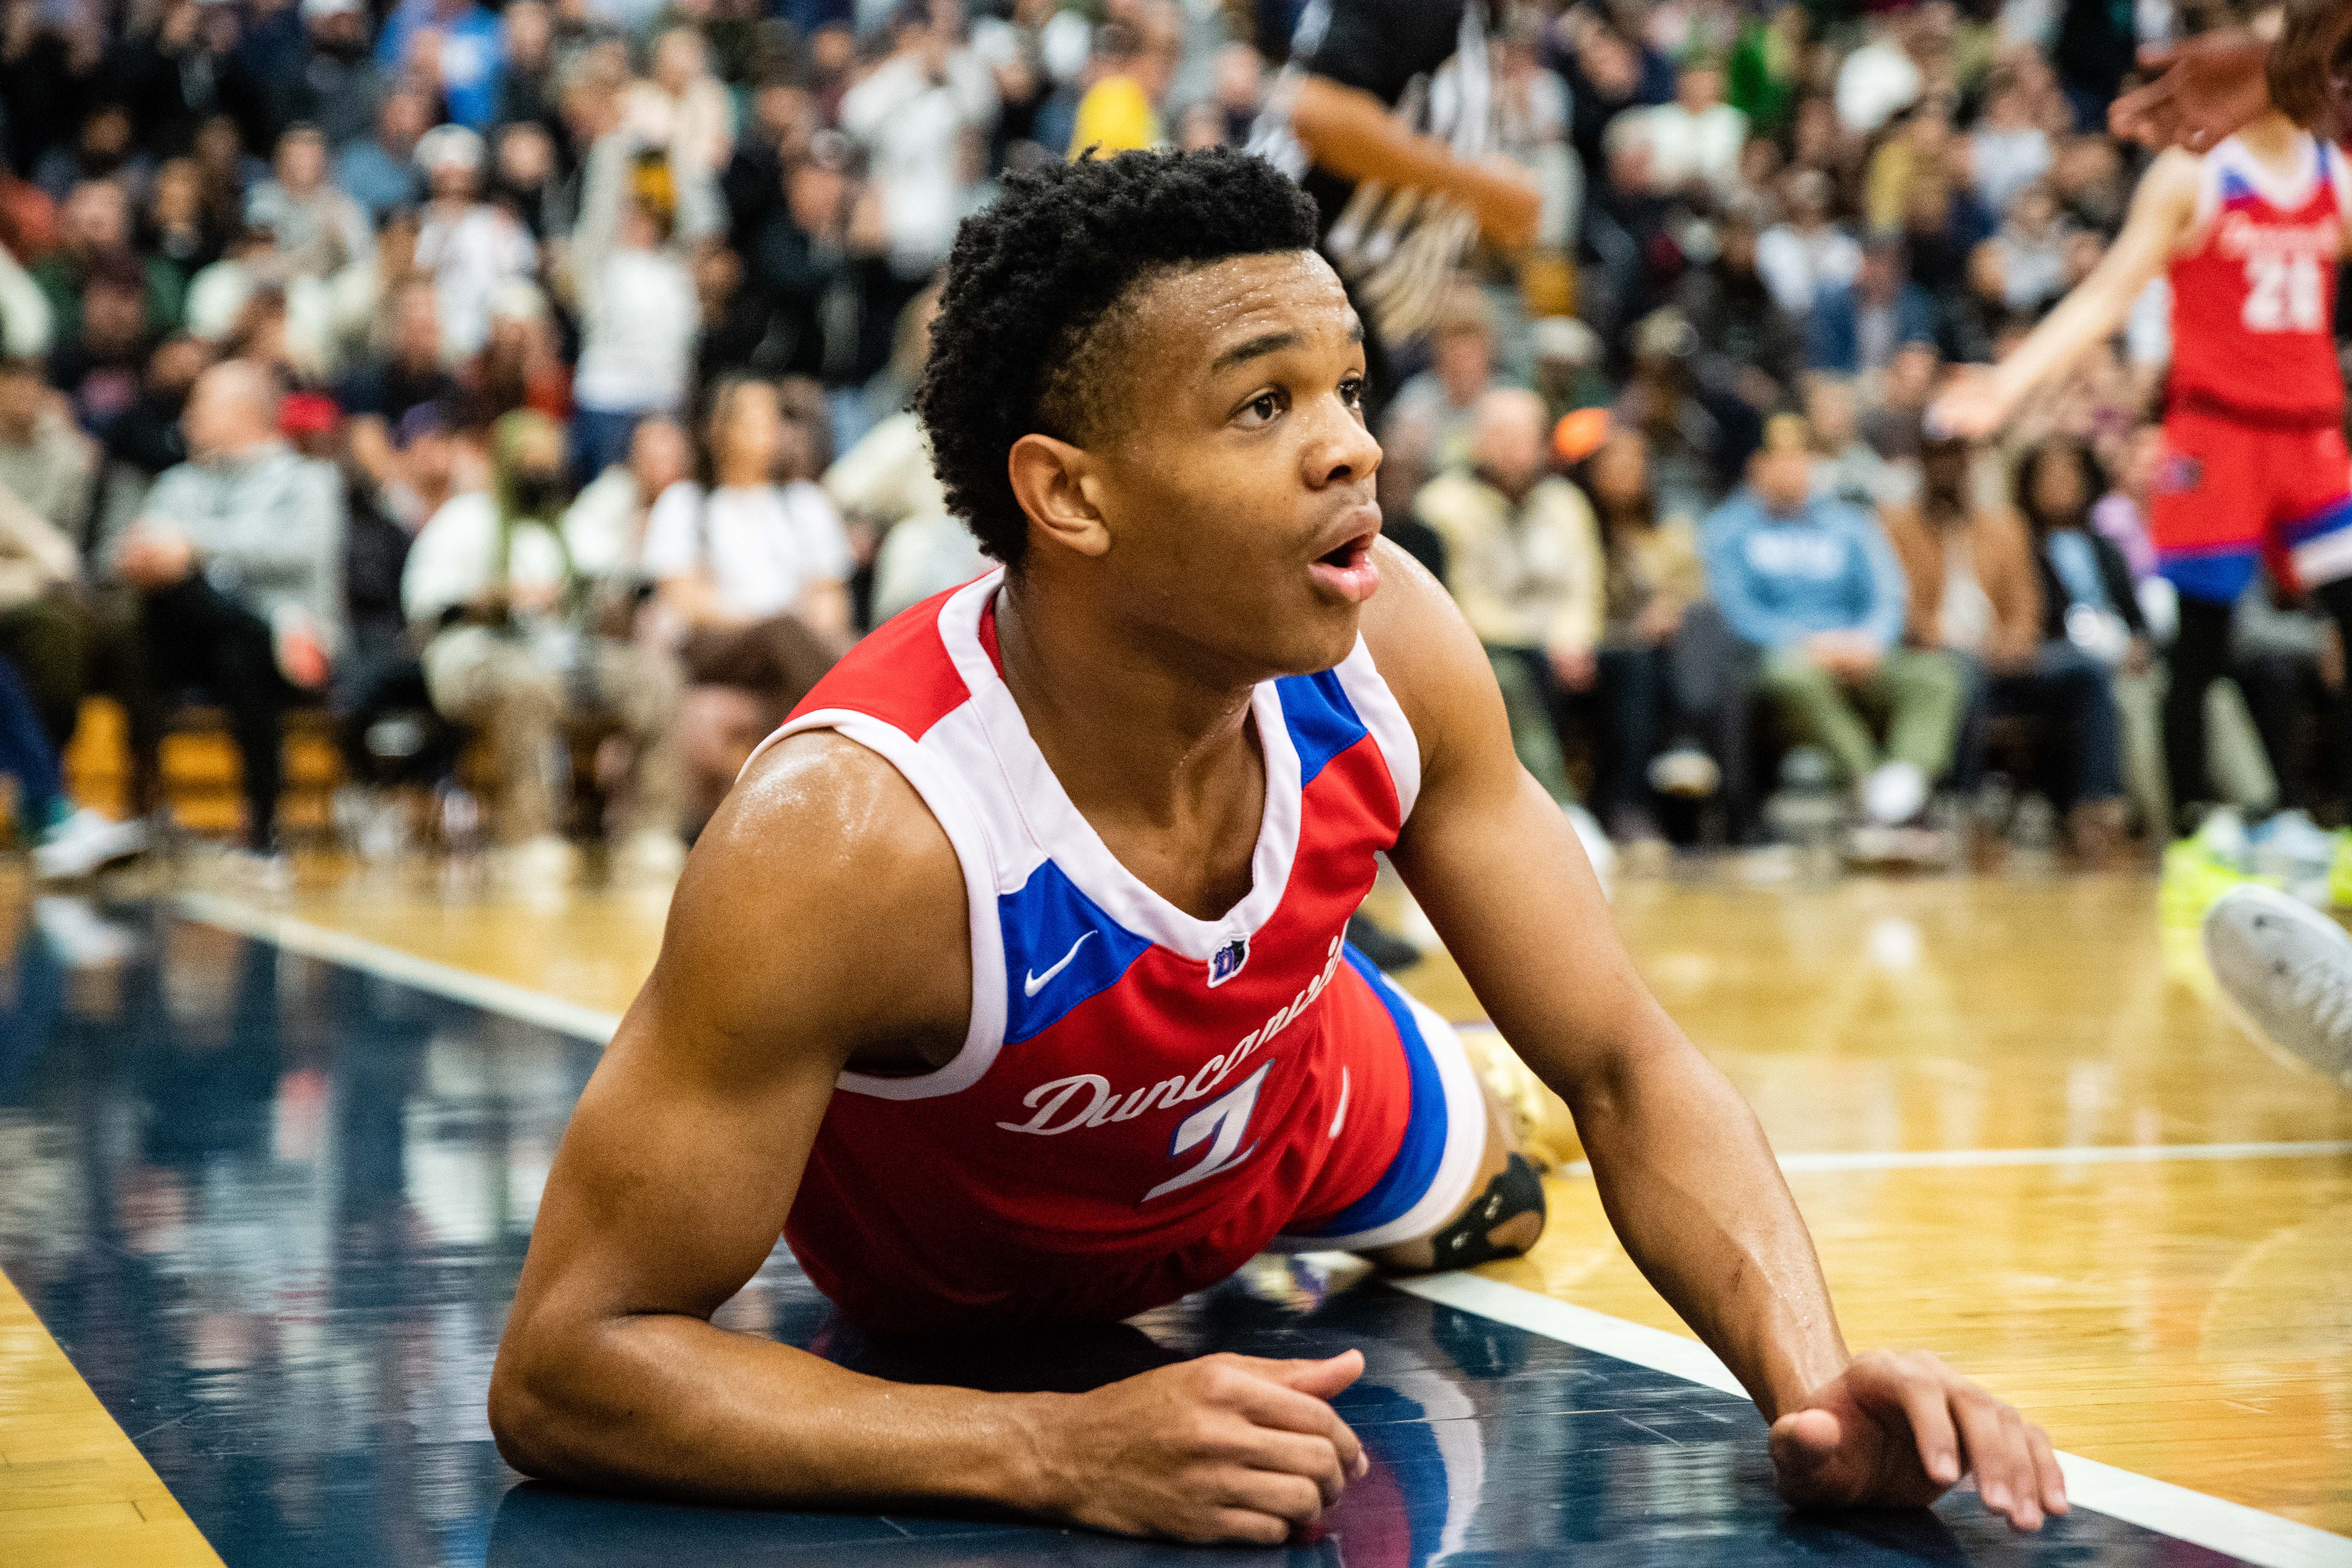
point(1163, 339)
point(1185, 320)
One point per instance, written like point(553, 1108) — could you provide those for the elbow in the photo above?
point(523, 1423)
point(536, 1430)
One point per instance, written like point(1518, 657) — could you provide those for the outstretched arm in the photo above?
point(1684, 1170)
point(2211, 85)
point(821, 922)
point(1353, 134)
point(2162, 211)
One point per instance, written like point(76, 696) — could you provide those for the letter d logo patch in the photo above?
point(1227, 960)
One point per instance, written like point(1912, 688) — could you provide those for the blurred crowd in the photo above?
point(532, 385)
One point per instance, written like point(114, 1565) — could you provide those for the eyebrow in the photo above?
point(1256, 348)
point(1273, 343)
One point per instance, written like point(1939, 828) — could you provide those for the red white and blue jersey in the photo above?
point(2253, 291)
point(1144, 1099)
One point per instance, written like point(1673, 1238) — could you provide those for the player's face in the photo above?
point(1238, 489)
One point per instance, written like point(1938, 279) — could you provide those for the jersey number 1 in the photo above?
point(2283, 294)
point(1221, 1124)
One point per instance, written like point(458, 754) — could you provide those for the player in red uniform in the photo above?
point(1008, 983)
point(2254, 460)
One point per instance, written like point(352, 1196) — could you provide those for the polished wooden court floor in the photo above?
point(2023, 1130)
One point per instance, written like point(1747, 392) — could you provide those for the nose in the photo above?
point(1343, 452)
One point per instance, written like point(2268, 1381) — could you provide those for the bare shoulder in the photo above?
point(818, 802)
point(1431, 662)
point(2172, 181)
point(825, 897)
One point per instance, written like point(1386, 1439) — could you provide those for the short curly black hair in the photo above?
point(1033, 277)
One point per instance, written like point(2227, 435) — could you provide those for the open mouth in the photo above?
point(1350, 553)
point(1347, 570)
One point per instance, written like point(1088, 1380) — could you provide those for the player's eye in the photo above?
point(1352, 392)
point(1263, 409)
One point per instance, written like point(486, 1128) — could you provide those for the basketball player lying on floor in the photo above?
point(1008, 984)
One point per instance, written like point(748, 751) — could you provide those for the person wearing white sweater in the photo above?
point(643, 209)
point(912, 114)
point(753, 572)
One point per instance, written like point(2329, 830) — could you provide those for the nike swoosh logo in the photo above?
point(1032, 983)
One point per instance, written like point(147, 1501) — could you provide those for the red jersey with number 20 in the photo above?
point(2253, 292)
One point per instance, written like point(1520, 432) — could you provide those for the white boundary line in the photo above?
point(2088, 1155)
point(2233, 1529)
point(314, 941)
point(374, 957)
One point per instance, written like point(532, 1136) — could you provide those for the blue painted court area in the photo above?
point(273, 1209)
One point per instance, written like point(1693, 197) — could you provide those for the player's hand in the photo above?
point(1970, 408)
point(1898, 1430)
point(1225, 1448)
point(1508, 205)
point(2211, 86)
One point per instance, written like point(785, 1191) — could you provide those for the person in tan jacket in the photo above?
point(45, 467)
point(39, 567)
point(40, 632)
point(1523, 561)
point(1975, 590)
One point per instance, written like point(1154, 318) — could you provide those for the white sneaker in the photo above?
point(649, 859)
point(546, 864)
point(2288, 969)
point(84, 843)
point(79, 936)
point(2295, 853)
point(265, 873)
point(1893, 794)
point(1873, 848)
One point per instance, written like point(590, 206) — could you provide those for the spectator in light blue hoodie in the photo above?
point(1814, 585)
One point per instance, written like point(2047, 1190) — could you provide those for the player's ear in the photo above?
point(1048, 480)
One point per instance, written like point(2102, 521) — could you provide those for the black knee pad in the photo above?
point(1516, 1190)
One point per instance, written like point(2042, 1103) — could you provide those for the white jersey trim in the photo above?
point(993, 794)
point(1368, 691)
point(1451, 1185)
point(2232, 156)
point(2286, 194)
point(2324, 559)
point(1034, 799)
point(952, 808)
point(2331, 159)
